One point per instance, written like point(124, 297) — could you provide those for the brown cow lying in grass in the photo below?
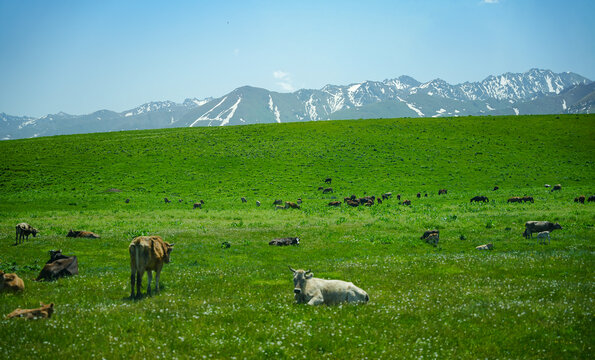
point(82, 234)
point(58, 266)
point(45, 311)
point(11, 282)
point(285, 241)
point(147, 253)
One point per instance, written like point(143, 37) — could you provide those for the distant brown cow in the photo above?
point(353, 203)
point(45, 311)
point(442, 191)
point(197, 205)
point(334, 203)
point(515, 199)
point(278, 202)
point(285, 241)
point(557, 187)
point(23, 230)
point(82, 234)
point(327, 190)
point(147, 253)
point(58, 266)
point(11, 282)
point(527, 198)
point(428, 233)
point(479, 198)
point(406, 202)
point(289, 204)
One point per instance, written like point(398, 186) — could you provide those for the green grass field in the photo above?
point(521, 300)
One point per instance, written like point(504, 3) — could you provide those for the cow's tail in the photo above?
point(367, 298)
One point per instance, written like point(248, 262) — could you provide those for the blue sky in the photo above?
point(81, 56)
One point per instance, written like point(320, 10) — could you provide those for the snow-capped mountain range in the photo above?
point(533, 92)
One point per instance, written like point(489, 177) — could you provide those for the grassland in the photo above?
point(521, 300)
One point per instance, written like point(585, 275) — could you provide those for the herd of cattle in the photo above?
point(150, 253)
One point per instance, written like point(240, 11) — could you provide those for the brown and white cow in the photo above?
point(539, 226)
point(23, 230)
point(489, 246)
point(45, 311)
point(314, 291)
point(58, 266)
point(147, 253)
point(82, 234)
point(11, 282)
point(285, 241)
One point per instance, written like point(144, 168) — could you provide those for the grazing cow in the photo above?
point(480, 198)
point(557, 187)
point(147, 253)
point(580, 199)
point(426, 195)
point(320, 187)
point(334, 203)
point(366, 199)
point(285, 241)
point(495, 188)
point(225, 245)
point(428, 233)
point(433, 239)
point(406, 202)
point(299, 201)
point(418, 195)
point(82, 234)
point(45, 311)
point(398, 196)
point(353, 203)
point(23, 230)
point(327, 190)
point(547, 185)
point(527, 198)
point(379, 200)
point(345, 199)
point(542, 236)
point(197, 205)
point(278, 202)
point(314, 291)
point(58, 266)
point(202, 201)
point(244, 200)
point(591, 198)
point(485, 247)
point(289, 204)
point(257, 203)
point(127, 201)
point(539, 226)
point(166, 200)
point(11, 282)
point(515, 199)
point(328, 180)
point(387, 195)
point(442, 191)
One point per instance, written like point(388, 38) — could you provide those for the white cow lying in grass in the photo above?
point(542, 236)
point(314, 291)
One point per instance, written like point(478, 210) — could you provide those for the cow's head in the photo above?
point(71, 233)
point(557, 226)
point(170, 247)
point(299, 279)
point(34, 231)
point(54, 253)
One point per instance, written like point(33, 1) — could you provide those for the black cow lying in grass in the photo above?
point(285, 241)
point(58, 266)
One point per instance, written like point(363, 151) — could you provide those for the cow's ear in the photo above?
point(290, 268)
point(309, 275)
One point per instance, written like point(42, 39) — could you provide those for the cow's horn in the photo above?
point(309, 271)
point(290, 268)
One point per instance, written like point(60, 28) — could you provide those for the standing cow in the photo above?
point(539, 226)
point(23, 230)
point(147, 253)
point(314, 291)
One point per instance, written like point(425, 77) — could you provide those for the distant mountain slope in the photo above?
point(533, 92)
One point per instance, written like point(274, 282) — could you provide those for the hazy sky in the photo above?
point(81, 56)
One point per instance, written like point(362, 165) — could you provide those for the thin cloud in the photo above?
point(491, 1)
point(284, 80)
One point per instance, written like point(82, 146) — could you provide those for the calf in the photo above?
point(147, 253)
point(82, 234)
point(45, 311)
point(314, 291)
point(539, 226)
point(11, 282)
point(543, 236)
point(485, 247)
point(285, 241)
point(23, 230)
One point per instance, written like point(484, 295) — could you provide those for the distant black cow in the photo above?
point(328, 180)
point(197, 206)
point(166, 200)
point(418, 195)
point(386, 196)
point(480, 198)
point(327, 190)
point(58, 266)
point(591, 198)
point(244, 200)
point(278, 202)
point(285, 241)
point(442, 191)
point(495, 188)
point(398, 196)
point(527, 198)
point(557, 187)
point(406, 202)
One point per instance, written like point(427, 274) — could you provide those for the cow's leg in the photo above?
point(149, 279)
point(317, 299)
point(132, 278)
point(139, 279)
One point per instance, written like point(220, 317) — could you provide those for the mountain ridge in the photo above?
point(535, 91)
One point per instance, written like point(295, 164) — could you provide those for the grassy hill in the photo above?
point(521, 300)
